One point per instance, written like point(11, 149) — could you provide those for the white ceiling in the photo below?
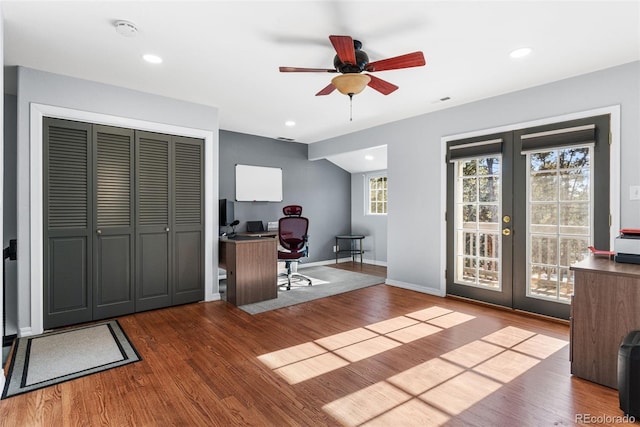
point(227, 53)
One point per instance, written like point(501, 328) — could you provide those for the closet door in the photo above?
point(153, 237)
point(67, 222)
point(188, 230)
point(113, 241)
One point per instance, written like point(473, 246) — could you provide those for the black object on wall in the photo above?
point(9, 252)
point(225, 213)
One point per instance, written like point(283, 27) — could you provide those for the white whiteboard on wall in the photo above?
point(258, 184)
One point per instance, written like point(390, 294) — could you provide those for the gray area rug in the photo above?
point(43, 360)
point(339, 281)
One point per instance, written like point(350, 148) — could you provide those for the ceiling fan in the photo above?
point(351, 62)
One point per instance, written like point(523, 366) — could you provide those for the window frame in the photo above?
point(368, 177)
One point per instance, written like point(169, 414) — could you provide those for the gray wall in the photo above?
point(62, 91)
point(9, 203)
point(415, 159)
point(320, 187)
point(373, 227)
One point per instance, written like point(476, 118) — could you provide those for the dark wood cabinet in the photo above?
point(252, 269)
point(605, 308)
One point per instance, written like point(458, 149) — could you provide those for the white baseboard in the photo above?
point(414, 287)
point(375, 262)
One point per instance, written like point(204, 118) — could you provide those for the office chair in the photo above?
point(292, 233)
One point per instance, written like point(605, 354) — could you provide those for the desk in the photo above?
point(605, 307)
point(353, 251)
point(252, 268)
point(258, 233)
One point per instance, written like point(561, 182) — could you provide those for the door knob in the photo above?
point(166, 229)
point(506, 219)
point(506, 231)
point(98, 231)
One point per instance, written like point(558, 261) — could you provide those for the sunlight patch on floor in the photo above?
point(460, 393)
point(302, 362)
point(434, 391)
point(540, 346)
point(311, 368)
point(425, 376)
point(430, 393)
point(356, 408)
point(289, 355)
point(472, 354)
point(344, 339)
point(450, 320)
point(368, 348)
point(392, 324)
point(414, 332)
point(506, 366)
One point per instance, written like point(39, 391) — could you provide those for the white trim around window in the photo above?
point(382, 204)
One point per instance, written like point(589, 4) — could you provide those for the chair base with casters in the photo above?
point(290, 274)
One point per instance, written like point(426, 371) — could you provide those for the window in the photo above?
point(377, 193)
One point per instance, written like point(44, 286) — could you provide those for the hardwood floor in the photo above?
point(376, 356)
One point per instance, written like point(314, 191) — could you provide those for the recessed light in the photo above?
point(290, 123)
point(368, 157)
point(152, 59)
point(520, 53)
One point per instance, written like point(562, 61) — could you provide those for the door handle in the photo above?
point(166, 229)
point(506, 231)
point(98, 231)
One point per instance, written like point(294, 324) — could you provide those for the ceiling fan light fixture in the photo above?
point(351, 84)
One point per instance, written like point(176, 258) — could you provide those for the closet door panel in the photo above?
point(188, 227)
point(67, 223)
point(113, 238)
point(153, 220)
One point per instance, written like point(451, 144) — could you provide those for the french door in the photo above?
point(522, 206)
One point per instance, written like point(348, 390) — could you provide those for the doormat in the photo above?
point(54, 357)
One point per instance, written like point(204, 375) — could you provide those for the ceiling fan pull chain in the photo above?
point(350, 107)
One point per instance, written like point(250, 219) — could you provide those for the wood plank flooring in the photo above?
point(376, 356)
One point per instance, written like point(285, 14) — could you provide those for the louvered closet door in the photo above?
point(113, 241)
point(188, 232)
point(68, 223)
point(153, 237)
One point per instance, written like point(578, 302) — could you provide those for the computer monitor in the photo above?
point(225, 212)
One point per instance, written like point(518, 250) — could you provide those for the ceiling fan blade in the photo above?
point(306, 70)
point(382, 86)
point(327, 90)
point(344, 48)
point(414, 59)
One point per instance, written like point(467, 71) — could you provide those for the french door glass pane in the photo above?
point(560, 219)
point(477, 217)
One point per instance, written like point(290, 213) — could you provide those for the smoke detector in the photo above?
point(126, 28)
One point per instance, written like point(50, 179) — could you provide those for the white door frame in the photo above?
point(30, 227)
point(614, 168)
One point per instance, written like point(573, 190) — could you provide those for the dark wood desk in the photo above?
point(258, 233)
point(252, 268)
point(605, 308)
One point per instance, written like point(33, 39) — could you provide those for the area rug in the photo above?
point(43, 360)
point(337, 281)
